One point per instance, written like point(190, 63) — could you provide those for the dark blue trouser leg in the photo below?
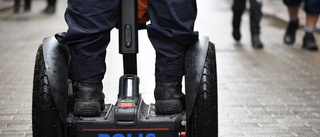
point(171, 32)
point(90, 23)
point(17, 4)
point(312, 6)
point(238, 8)
point(292, 2)
point(255, 16)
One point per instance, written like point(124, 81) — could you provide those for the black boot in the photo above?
point(169, 98)
point(49, 10)
point(236, 21)
point(290, 35)
point(256, 42)
point(89, 99)
point(309, 42)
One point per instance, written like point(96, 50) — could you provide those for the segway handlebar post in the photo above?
point(128, 35)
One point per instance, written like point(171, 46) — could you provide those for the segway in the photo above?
point(130, 116)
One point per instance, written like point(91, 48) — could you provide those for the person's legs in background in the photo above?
point(238, 8)
point(51, 7)
point(27, 5)
point(293, 25)
point(312, 9)
point(16, 7)
point(255, 18)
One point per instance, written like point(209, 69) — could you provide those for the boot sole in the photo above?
point(87, 109)
point(168, 106)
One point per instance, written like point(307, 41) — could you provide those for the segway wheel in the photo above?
point(204, 118)
point(45, 118)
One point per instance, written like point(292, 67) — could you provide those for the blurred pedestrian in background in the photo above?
point(17, 3)
point(51, 7)
point(238, 8)
point(312, 9)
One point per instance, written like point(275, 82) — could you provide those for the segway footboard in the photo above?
point(129, 117)
point(120, 121)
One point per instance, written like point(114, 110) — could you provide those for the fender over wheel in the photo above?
point(201, 89)
point(204, 117)
point(45, 117)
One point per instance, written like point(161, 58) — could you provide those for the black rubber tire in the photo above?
point(204, 118)
point(45, 117)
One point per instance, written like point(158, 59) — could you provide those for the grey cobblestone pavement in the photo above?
point(274, 91)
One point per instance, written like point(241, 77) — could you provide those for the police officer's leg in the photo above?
point(255, 18)
point(312, 9)
point(171, 32)
point(238, 7)
point(90, 23)
point(293, 25)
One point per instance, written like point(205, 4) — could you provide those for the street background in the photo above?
point(274, 91)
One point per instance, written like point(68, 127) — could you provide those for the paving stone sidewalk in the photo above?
point(274, 91)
